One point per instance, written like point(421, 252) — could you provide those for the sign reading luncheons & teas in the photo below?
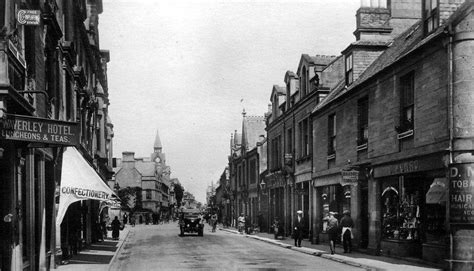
point(39, 130)
point(461, 193)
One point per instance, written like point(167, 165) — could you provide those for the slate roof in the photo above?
point(403, 45)
point(146, 169)
point(252, 128)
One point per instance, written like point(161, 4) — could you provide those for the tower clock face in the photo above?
point(157, 159)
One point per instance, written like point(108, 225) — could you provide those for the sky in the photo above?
point(187, 69)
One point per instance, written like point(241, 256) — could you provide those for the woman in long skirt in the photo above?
point(115, 228)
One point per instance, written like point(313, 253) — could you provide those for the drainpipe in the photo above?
point(450, 125)
point(450, 93)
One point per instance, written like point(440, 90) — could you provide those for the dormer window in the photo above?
point(430, 15)
point(303, 82)
point(349, 70)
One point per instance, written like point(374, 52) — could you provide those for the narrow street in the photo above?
point(152, 247)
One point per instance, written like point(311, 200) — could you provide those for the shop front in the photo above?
point(277, 197)
point(30, 150)
point(412, 200)
point(338, 192)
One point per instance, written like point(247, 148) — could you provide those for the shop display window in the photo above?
point(402, 209)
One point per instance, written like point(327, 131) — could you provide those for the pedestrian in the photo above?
point(214, 222)
point(260, 221)
point(332, 230)
point(298, 230)
point(248, 225)
point(346, 224)
point(125, 219)
point(115, 228)
point(241, 223)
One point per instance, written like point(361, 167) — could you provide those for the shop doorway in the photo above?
point(364, 217)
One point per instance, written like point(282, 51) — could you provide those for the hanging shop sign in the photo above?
point(349, 177)
point(28, 16)
point(461, 193)
point(39, 130)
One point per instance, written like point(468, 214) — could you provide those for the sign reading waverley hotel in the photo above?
point(461, 193)
point(39, 130)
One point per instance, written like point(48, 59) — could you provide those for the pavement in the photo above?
point(100, 256)
point(355, 258)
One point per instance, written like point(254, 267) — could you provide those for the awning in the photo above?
point(437, 191)
point(79, 181)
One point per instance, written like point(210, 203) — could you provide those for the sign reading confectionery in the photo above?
point(461, 193)
point(39, 130)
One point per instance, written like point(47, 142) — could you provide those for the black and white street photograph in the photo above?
point(140, 135)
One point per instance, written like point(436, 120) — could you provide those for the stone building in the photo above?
point(52, 74)
point(244, 167)
point(152, 177)
point(402, 119)
point(289, 139)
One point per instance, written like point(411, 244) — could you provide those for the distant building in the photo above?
point(151, 175)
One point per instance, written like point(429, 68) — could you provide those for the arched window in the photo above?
point(303, 82)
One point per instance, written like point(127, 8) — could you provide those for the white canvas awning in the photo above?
point(79, 181)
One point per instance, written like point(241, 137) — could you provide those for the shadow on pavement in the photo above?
point(90, 259)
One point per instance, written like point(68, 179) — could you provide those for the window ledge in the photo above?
point(303, 159)
point(362, 147)
point(331, 156)
point(405, 134)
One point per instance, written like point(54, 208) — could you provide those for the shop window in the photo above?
point(402, 207)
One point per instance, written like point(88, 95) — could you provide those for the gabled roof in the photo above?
point(290, 74)
point(252, 128)
point(314, 60)
point(279, 90)
point(407, 42)
point(146, 169)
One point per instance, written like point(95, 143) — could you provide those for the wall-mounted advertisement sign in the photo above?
point(39, 130)
point(461, 193)
point(28, 17)
point(349, 177)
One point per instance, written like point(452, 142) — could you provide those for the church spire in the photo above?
point(157, 147)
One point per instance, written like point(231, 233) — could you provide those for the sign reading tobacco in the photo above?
point(461, 193)
point(39, 130)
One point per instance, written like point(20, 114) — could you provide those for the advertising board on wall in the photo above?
point(39, 130)
point(461, 193)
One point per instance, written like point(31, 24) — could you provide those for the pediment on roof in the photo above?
point(277, 90)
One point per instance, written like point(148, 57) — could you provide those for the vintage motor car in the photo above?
point(191, 221)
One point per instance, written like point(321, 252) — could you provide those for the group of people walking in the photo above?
point(344, 228)
point(334, 229)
